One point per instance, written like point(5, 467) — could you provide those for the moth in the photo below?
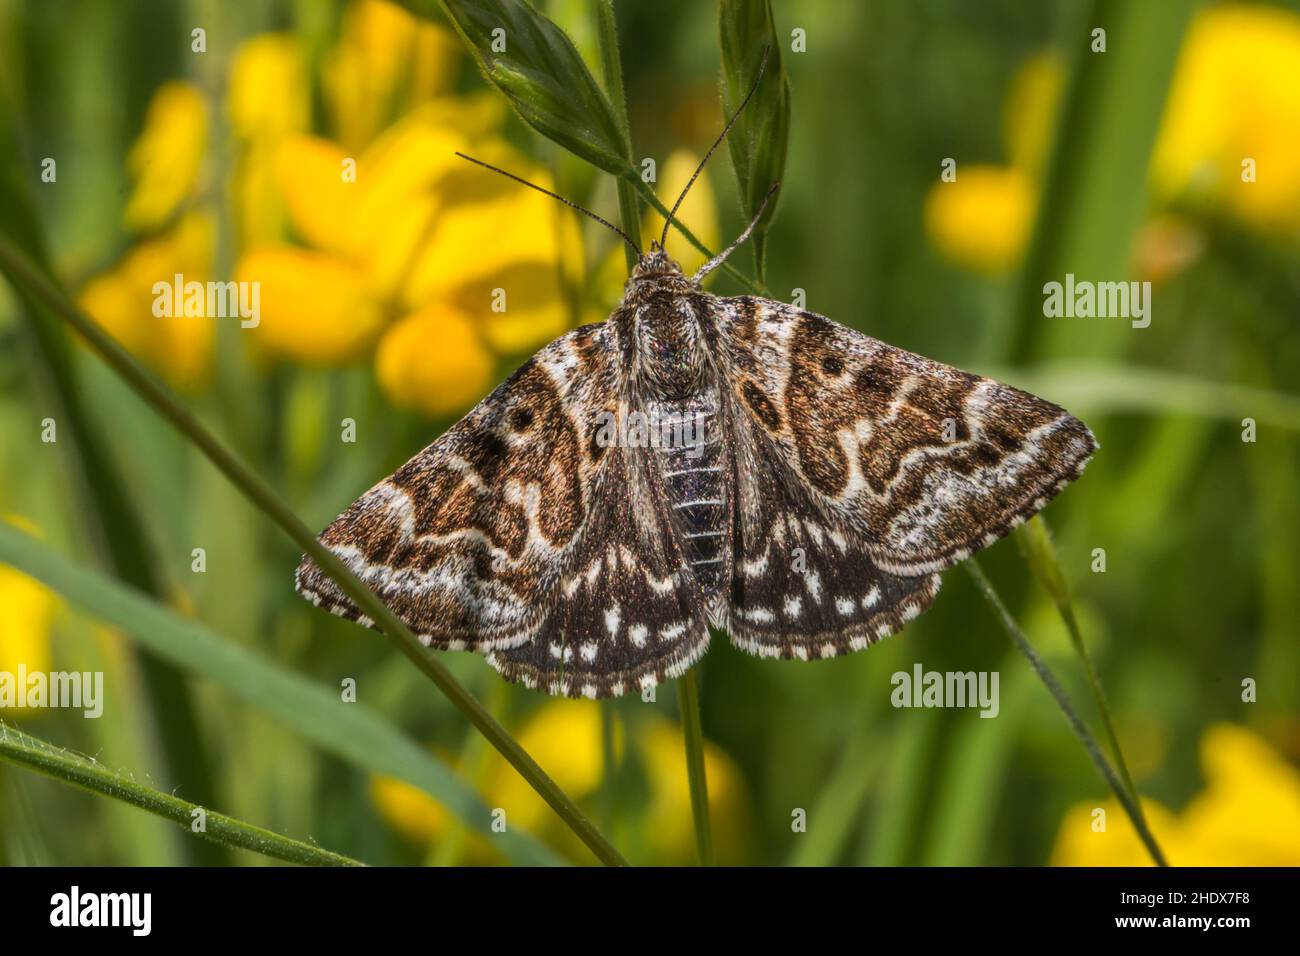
point(697, 460)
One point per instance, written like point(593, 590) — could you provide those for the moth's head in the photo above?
point(656, 264)
point(656, 271)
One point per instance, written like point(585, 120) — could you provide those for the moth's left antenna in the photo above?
point(567, 202)
point(762, 67)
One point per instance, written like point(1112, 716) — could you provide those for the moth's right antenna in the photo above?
point(762, 66)
point(567, 202)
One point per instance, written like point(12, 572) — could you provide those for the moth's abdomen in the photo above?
point(692, 468)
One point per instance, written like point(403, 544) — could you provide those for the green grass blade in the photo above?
point(1106, 130)
point(1040, 554)
point(76, 770)
point(349, 730)
point(23, 274)
point(839, 805)
point(1127, 799)
point(1113, 387)
point(107, 513)
point(611, 63)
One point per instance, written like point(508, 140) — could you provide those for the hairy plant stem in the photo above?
point(24, 750)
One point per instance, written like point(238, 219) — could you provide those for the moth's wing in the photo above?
point(804, 583)
point(627, 613)
point(926, 462)
point(463, 542)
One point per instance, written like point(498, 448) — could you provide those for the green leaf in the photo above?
point(1094, 194)
point(350, 731)
point(80, 771)
point(535, 64)
point(758, 139)
point(1120, 388)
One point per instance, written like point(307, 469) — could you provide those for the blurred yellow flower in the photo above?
point(982, 220)
point(166, 159)
point(1248, 814)
point(698, 212)
point(29, 608)
point(1236, 97)
point(259, 122)
point(1229, 140)
point(122, 299)
point(405, 362)
point(387, 62)
point(267, 92)
point(410, 811)
point(165, 163)
point(565, 737)
point(440, 264)
point(669, 825)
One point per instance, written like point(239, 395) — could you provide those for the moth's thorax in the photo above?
point(660, 322)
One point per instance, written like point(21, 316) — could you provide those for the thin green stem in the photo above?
point(26, 277)
point(688, 702)
point(76, 770)
point(1036, 544)
point(1129, 801)
point(611, 65)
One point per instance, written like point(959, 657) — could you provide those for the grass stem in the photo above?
point(1129, 801)
point(688, 701)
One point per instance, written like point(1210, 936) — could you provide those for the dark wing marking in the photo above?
point(804, 584)
point(628, 612)
point(927, 463)
point(464, 540)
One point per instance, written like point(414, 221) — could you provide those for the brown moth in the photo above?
point(696, 460)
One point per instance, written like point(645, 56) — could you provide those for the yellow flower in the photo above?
point(698, 212)
point(1248, 814)
point(122, 301)
point(29, 608)
point(438, 263)
point(1234, 102)
point(669, 825)
point(166, 159)
point(259, 122)
point(1236, 96)
point(458, 365)
point(410, 811)
point(564, 736)
point(386, 62)
point(267, 93)
point(982, 220)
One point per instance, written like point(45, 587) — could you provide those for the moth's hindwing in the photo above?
point(925, 462)
point(804, 584)
point(464, 541)
point(627, 613)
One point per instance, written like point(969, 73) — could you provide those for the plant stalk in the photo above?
point(688, 701)
point(1127, 800)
